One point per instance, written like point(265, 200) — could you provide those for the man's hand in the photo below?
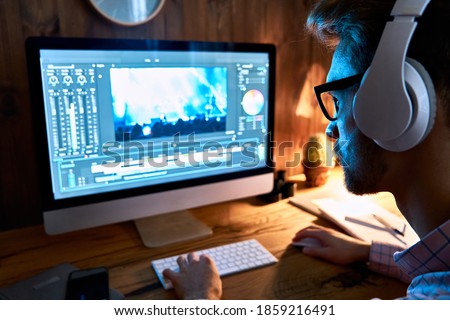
point(198, 278)
point(335, 246)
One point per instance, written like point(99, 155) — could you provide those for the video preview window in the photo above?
point(161, 102)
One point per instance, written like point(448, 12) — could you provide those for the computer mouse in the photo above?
point(307, 242)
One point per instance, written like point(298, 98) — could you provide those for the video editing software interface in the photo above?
point(125, 119)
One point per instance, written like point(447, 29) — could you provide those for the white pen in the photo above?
point(387, 225)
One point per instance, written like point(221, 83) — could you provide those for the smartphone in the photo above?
point(88, 284)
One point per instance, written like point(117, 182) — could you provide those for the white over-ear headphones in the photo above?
point(396, 103)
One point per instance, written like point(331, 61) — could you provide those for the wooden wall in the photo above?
point(300, 64)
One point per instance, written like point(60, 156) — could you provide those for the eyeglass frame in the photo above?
point(340, 84)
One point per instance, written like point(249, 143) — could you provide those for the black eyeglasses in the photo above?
point(329, 103)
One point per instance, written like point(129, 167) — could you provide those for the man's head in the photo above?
point(353, 29)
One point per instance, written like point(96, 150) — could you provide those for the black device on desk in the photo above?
point(88, 284)
point(52, 284)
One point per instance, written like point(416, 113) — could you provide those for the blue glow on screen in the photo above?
point(146, 96)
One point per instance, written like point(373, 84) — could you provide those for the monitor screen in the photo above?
point(117, 120)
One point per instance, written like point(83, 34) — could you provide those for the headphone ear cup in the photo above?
point(430, 91)
point(423, 99)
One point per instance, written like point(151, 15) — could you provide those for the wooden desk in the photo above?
point(25, 252)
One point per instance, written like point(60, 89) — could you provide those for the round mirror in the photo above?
point(128, 12)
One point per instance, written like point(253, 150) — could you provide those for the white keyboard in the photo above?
point(229, 259)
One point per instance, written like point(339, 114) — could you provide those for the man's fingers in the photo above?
point(192, 257)
point(182, 262)
point(169, 274)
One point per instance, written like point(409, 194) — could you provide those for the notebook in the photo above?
point(361, 218)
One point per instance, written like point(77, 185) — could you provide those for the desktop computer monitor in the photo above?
point(130, 129)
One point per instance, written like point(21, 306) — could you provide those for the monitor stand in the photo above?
point(165, 229)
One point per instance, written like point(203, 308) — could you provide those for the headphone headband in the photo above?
point(413, 8)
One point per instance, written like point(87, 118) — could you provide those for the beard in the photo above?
point(363, 163)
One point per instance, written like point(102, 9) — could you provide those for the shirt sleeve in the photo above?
point(381, 261)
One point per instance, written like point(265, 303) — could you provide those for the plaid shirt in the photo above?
point(426, 265)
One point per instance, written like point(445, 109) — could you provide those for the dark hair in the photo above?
point(360, 23)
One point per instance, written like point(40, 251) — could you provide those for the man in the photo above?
point(419, 177)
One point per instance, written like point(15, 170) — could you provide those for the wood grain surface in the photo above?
point(28, 251)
